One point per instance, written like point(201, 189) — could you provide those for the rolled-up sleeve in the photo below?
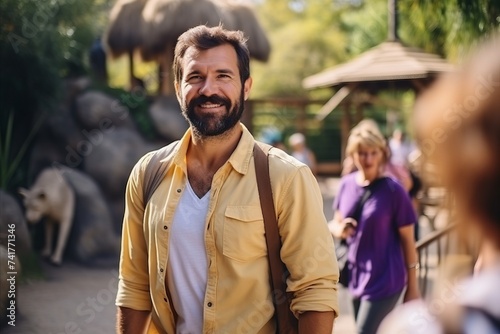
point(308, 249)
point(133, 286)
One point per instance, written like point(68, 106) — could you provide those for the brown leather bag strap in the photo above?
point(286, 321)
point(155, 171)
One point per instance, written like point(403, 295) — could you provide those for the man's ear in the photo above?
point(247, 87)
point(177, 91)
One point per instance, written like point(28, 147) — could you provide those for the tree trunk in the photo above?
point(345, 127)
point(131, 69)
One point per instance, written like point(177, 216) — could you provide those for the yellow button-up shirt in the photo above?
point(238, 292)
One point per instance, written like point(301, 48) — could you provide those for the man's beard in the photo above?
point(209, 125)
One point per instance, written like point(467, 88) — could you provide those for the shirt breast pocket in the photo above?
point(243, 238)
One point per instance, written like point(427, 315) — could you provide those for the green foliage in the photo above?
point(10, 161)
point(308, 42)
point(365, 25)
point(450, 28)
point(137, 104)
point(267, 14)
point(41, 42)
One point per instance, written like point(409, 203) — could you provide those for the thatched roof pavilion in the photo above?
point(389, 65)
point(153, 26)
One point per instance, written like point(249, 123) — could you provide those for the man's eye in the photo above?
point(224, 76)
point(194, 78)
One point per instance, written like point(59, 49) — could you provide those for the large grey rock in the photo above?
point(111, 161)
point(92, 236)
point(96, 110)
point(19, 247)
point(110, 164)
point(57, 141)
point(11, 215)
point(167, 118)
point(8, 312)
point(62, 128)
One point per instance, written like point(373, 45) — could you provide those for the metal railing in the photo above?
point(431, 250)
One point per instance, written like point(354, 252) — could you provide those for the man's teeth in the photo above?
point(211, 105)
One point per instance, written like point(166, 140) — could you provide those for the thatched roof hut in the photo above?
point(124, 33)
point(166, 20)
point(153, 27)
point(244, 19)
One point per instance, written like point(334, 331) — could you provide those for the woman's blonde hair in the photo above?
point(367, 133)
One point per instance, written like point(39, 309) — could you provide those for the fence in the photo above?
point(289, 115)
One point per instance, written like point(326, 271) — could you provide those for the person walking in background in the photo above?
point(194, 258)
point(392, 168)
point(272, 136)
point(464, 108)
point(400, 147)
point(402, 150)
point(382, 259)
point(301, 152)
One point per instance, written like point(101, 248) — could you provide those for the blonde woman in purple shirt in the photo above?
point(382, 259)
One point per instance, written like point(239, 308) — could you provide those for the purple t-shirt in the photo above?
point(376, 261)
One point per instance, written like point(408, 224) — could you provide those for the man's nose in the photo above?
point(208, 88)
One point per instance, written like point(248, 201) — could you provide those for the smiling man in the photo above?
point(194, 257)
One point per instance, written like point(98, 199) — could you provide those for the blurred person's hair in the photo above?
point(297, 139)
point(368, 123)
point(457, 123)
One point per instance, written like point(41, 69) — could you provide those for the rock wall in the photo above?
point(95, 134)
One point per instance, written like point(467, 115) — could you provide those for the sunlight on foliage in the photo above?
point(119, 76)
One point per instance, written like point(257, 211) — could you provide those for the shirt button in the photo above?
point(178, 190)
point(209, 304)
point(161, 270)
point(165, 227)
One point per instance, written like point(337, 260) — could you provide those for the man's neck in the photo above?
point(206, 156)
point(212, 152)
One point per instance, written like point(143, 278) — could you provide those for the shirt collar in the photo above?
point(239, 159)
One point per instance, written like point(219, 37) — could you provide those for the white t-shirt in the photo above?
point(187, 261)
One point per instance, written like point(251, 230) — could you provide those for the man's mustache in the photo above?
point(211, 99)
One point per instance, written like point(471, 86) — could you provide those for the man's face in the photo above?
point(210, 91)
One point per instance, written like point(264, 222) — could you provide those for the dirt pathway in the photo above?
point(71, 299)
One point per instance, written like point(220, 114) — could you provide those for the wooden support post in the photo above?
point(345, 127)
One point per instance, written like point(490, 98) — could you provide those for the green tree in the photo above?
point(364, 25)
point(41, 43)
point(307, 41)
point(450, 27)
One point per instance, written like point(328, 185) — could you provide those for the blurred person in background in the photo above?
point(457, 124)
point(401, 147)
point(401, 153)
point(272, 136)
point(399, 172)
point(301, 152)
point(382, 259)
